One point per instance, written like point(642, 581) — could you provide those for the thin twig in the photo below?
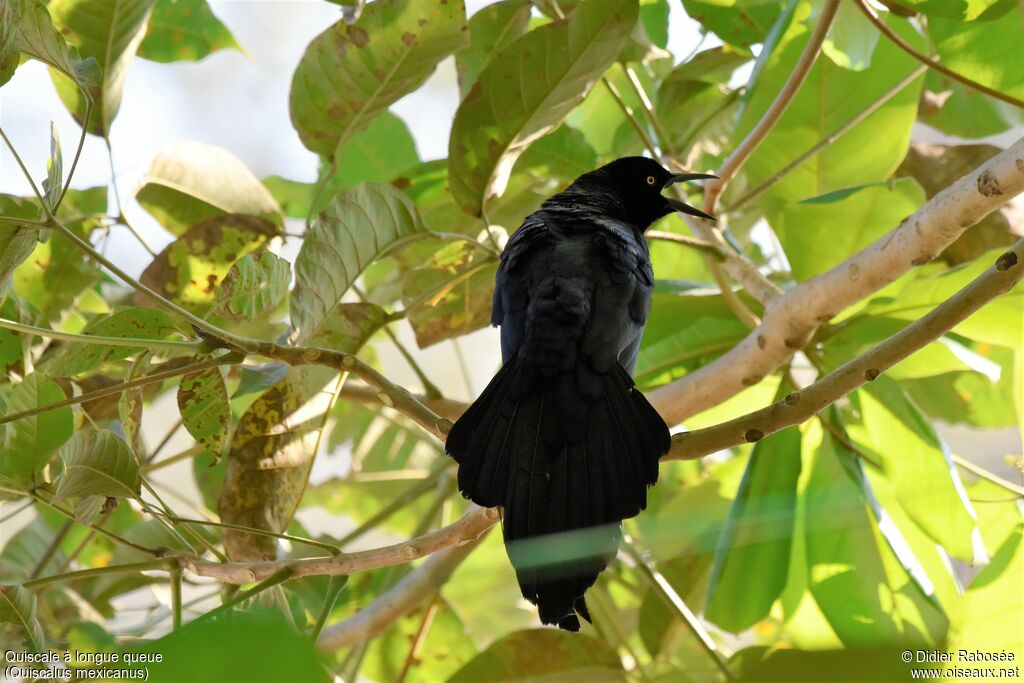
point(898, 41)
point(78, 151)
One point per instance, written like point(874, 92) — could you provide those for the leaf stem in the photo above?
point(898, 41)
point(162, 563)
point(335, 585)
point(78, 152)
point(153, 344)
point(663, 588)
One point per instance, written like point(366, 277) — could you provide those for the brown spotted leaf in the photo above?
point(525, 91)
point(272, 450)
point(255, 285)
point(190, 269)
point(450, 295)
point(129, 323)
point(129, 408)
point(352, 72)
point(205, 411)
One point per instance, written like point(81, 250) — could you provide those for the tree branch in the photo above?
point(467, 528)
point(153, 344)
point(790, 320)
point(802, 405)
point(417, 586)
point(931, 63)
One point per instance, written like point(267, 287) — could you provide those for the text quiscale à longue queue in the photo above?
point(74, 657)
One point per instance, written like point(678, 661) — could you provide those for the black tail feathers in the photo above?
point(567, 468)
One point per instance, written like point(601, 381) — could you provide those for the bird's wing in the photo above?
point(512, 283)
point(622, 300)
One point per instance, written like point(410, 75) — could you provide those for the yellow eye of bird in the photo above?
point(650, 180)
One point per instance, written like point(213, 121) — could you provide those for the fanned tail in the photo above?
point(567, 468)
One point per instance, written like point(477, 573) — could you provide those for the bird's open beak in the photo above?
point(686, 208)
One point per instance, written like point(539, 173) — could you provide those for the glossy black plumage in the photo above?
point(560, 438)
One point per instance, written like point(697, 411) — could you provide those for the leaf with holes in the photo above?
point(525, 91)
point(109, 31)
point(205, 411)
point(129, 323)
point(191, 269)
point(256, 284)
point(32, 440)
point(352, 72)
point(357, 228)
point(184, 30)
point(18, 607)
point(189, 182)
point(97, 463)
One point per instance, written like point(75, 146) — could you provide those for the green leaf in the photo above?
point(542, 653)
point(190, 269)
point(351, 73)
point(97, 463)
point(965, 112)
point(356, 229)
point(759, 533)
point(184, 30)
point(737, 23)
point(10, 56)
point(821, 232)
point(917, 464)
point(963, 10)
point(379, 153)
point(32, 440)
point(852, 38)
point(271, 449)
point(56, 275)
point(129, 323)
point(847, 574)
point(109, 31)
point(525, 92)
point(255, 285)
point(988, 615)
point(18, 607)
point(188, 182)
point(491, 29)
point(999, 322)
point(443, 649)
point(38, 38)
point(829, 98)
point(129, 407)
point(984, 51)
point(247, 646)
point(16, 242)
point(449, 295)
point(54, 182)
point(204, 407)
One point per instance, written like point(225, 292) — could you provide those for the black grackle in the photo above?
point(560, 438)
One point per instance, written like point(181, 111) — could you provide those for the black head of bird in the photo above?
point(638, 183)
